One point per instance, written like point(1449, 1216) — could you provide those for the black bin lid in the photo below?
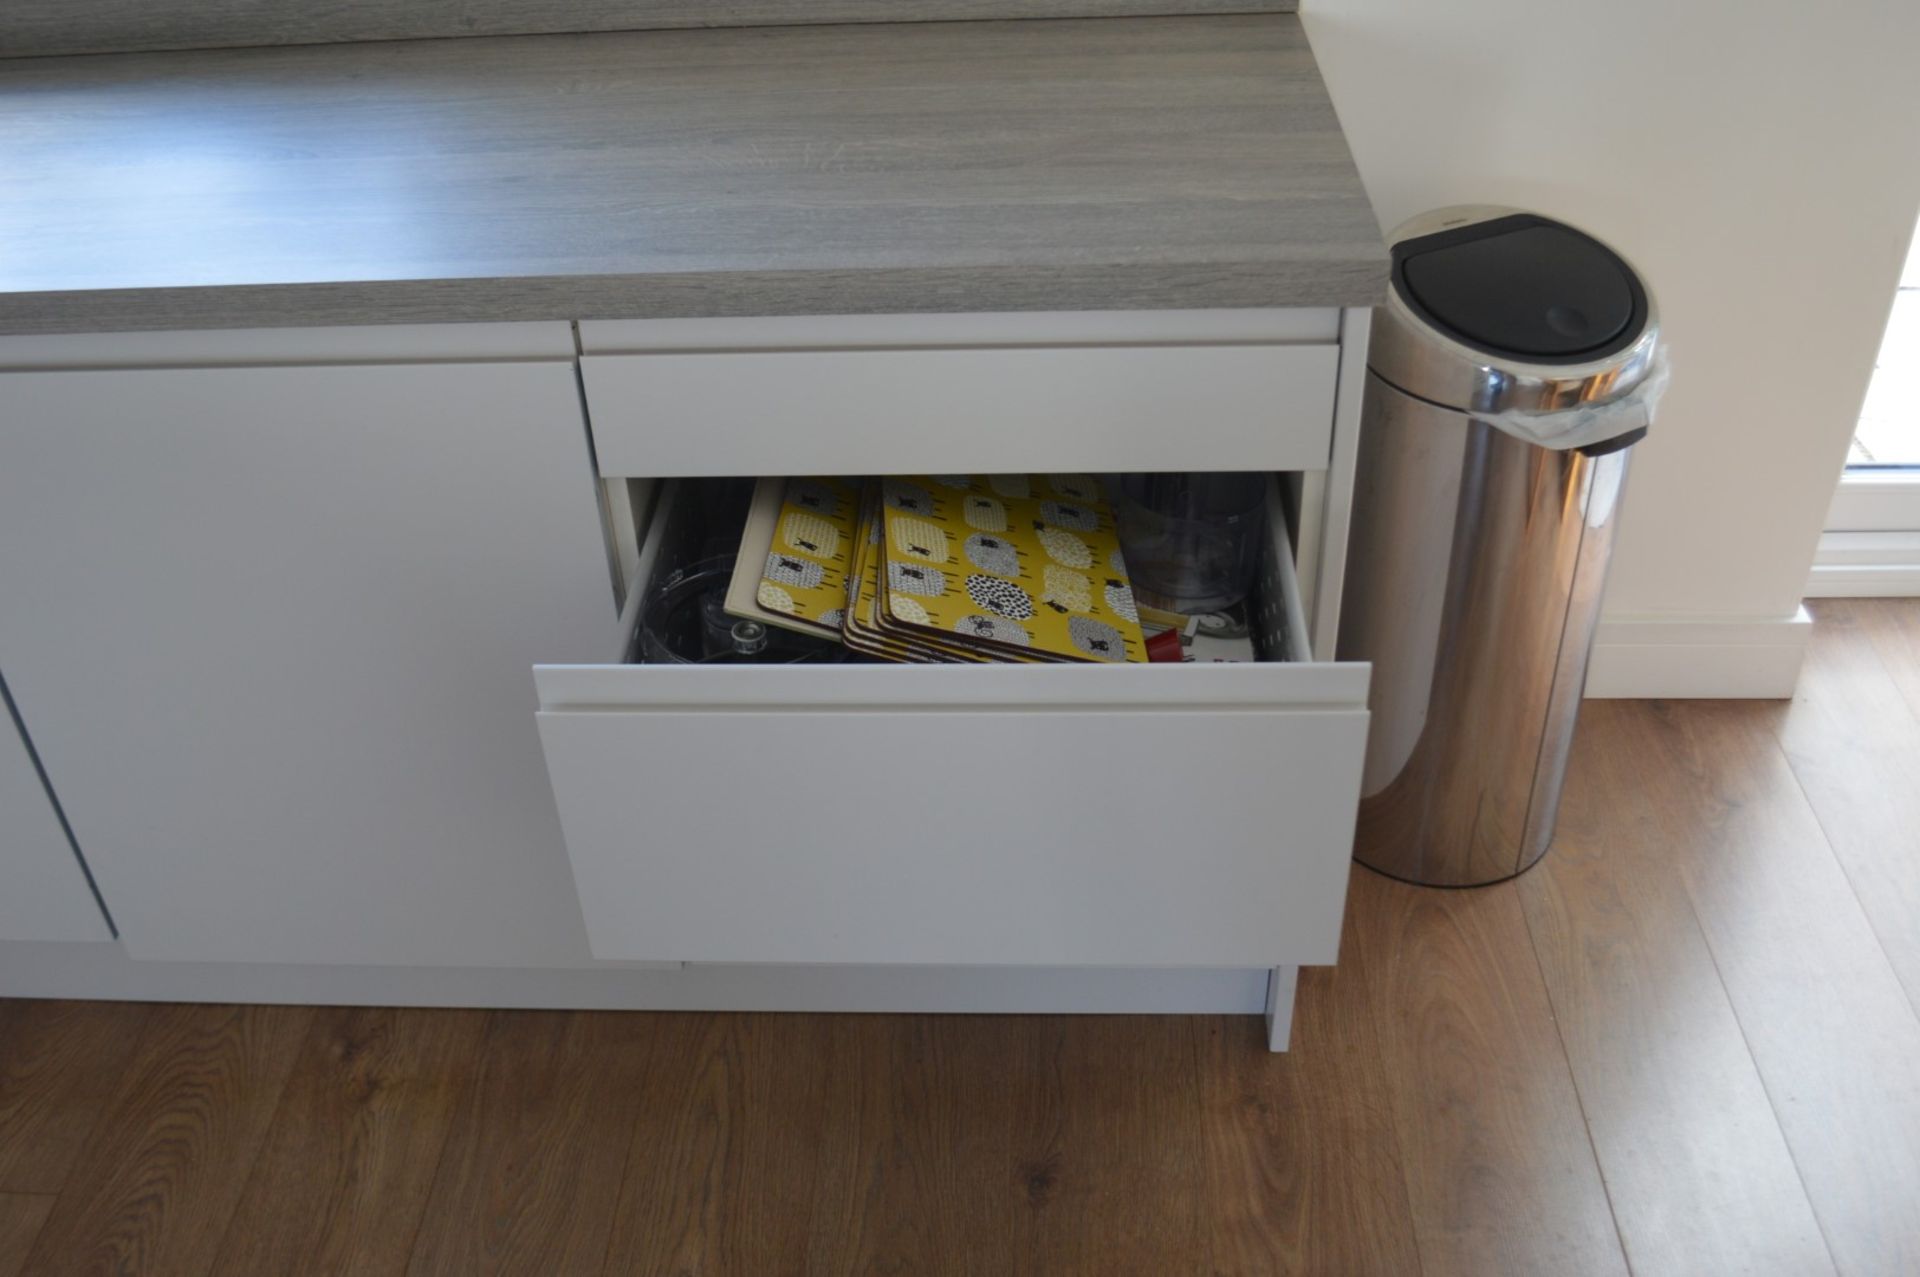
point(1524, 288)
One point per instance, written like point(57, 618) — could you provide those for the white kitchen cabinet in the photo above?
point(270, 610)
point(1188, 816)
point(43, 892)
point(270, 628)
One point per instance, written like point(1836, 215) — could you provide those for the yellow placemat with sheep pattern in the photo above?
point(796, 553)
point(1017, 563)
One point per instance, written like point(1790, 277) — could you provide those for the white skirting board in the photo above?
point(1698, 658)
point(1866, 565)
point(103, 971)
point(1864, 581)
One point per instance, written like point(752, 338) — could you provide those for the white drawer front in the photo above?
point(1197, 815)
point(913, 411)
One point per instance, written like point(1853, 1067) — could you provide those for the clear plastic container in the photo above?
point(1192, 541)
point(683, 616)
point(683, 621)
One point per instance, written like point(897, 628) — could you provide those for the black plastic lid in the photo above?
point(1524, 288)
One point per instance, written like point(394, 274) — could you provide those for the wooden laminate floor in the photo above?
point(1686, 1043)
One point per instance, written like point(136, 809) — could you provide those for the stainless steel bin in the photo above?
point(1515, 363)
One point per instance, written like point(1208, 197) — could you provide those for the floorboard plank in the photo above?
point(727, 1154)
point(1303, 1166)
point(159, 1177)
point(1894, 625)
point(530, 1175)
point(1107, 1154)
point(356, 1139)
point(59, 1065)
point(933, 1184)
point(686, 1160)
point(1854, 744)
point(1696, 1167)
point(1501, 1177)
point(1829, 1026)
point(845, 1116)
point(21, 1217)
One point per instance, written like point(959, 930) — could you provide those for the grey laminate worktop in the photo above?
point(43, 28)
point(1079, 164)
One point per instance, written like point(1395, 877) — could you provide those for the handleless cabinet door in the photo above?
point(270, 628)
point(43, 893)
point(1226, 407)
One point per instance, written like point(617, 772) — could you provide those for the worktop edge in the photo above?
point(56, 28)
point(1358, 279)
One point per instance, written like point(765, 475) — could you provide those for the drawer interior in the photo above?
point(666, 528)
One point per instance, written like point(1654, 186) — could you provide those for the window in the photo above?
point(1872, 543)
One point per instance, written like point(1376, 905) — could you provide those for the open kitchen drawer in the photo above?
point(995, 814)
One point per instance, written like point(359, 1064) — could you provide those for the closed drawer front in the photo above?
point(1030, 815)
point(907, 411)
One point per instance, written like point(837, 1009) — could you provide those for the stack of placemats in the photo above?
point(1003, 568)
point(943, 568)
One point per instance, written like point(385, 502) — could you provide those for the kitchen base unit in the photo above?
point(325, 640)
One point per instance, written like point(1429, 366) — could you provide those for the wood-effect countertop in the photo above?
point(1043, 165)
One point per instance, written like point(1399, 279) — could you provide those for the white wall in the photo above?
point(1759, 160)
